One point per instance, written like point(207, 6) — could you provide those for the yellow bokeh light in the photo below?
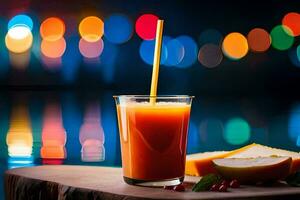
point(18, 39)
point(91, 28)
point(235, 46)
point(52, 29)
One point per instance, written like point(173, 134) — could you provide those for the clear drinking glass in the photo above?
point(153, 134)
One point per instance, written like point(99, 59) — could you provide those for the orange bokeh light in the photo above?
point(91, 28)
point(235, 46)
point(53, 49)
point(52, 29)
point(292, 20)
point(259, 40)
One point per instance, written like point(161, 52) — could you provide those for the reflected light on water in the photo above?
point(19, 136)
point(53, 133)
point(19, 61)
point(92, 135)
point(237, 131)
point(53, 49)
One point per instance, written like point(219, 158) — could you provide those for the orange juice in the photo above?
point(153, 139)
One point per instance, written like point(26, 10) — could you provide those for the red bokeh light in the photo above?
point(292, 20)
point(145, 26)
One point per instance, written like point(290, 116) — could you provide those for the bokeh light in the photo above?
point(19, 61)
point(237, 131)
point(91, 28)
point(210, 55)
point(91, 135)
point(52, 29)
point(282, 38)
point(212, 36)
point(294, 124)
point(190, 51)
point(91, 49)
point(145, 26)
point(294, 55)
point(235, 46)
point(259, 40)
point(118, 28)
point(175, 52)
point(53, 49)
point(147, 52)
point(18, 39)
point(20, 20)
point(291, 20)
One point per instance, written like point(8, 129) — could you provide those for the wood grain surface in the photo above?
point(85, 182)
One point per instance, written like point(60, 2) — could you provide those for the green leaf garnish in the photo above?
point(293, 179)
point(206, 182)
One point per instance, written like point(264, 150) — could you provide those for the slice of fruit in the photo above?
point(257, 150)
point(254, 170)
point(200, 164)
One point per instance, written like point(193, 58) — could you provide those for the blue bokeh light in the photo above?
point(210, 36)
point(294, 55)
point(20, 20)
point(190, 51)
point(118, 28)
point(175, 52)
point(147, 51)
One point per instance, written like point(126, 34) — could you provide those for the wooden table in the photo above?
point(85, 182)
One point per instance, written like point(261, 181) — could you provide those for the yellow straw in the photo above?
point(156, 61)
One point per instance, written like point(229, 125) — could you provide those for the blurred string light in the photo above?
point(118, 28)
point(282, 38)
point(145, 26)
point(91, 28)
point(53, 134)
point(91, 49)
point(259, 40)
point(210, 55)
point(235, 46)
point(147, 52)
point(190, 51)
point(53, 49)
point(294, 55)
point(91, 135)
point(237, 131)
point(18, 39)
point(291, 20)
point(212, 36)
point(294, 124)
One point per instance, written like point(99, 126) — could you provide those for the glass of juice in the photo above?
point(153, 134)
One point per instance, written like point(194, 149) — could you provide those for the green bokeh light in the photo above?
point(282, 38)
point(298, 52)
point(237, 131)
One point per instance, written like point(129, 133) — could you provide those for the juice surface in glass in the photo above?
point(153, 140)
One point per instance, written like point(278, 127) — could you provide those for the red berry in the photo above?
point(224, 182)
point(234, 184)
point(214, 187)
point(222, 188)
point(168, 187)
point(179, 188)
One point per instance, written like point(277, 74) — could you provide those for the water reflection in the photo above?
point(54, 136)
point(19, 137)
point(92, 135)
